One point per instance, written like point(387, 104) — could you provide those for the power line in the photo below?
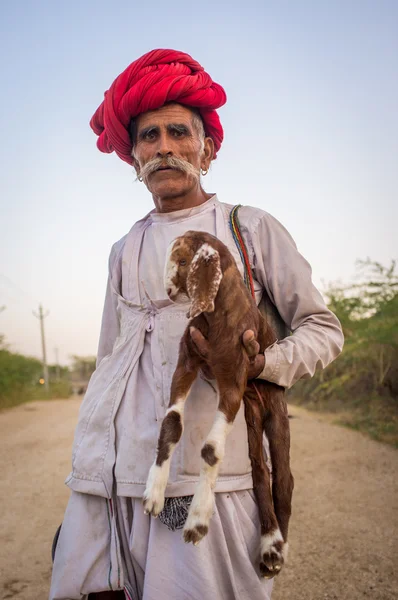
point(16, 287)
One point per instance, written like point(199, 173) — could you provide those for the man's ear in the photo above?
point(203, 280)
point(208, 153)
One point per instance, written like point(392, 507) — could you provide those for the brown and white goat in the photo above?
point(201, 267)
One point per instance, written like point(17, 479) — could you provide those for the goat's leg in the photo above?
point(276, 426)
point(201, 509)
point(271, 538)
point(170, 434)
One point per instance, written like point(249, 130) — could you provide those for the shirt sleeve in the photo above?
point(316, 338)
point(110, 326)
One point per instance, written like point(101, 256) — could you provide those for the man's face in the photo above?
point(169, 132)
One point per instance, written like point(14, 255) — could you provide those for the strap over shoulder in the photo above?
point(266, 307)
point(240, 244)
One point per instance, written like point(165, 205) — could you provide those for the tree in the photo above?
point(83, 367)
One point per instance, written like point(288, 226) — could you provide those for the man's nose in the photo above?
point(164, 146)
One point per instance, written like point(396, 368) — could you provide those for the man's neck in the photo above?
point(193, 198)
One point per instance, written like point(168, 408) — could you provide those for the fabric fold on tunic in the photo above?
point(101, 404)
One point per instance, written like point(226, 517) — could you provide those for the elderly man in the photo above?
point(160, 116)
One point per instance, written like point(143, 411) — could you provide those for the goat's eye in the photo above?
point(182, 262)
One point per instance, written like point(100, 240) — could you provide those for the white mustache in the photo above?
point(171, 162)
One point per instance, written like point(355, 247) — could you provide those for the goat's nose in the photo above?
point(169, 291)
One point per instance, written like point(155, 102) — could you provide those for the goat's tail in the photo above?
point(268, 396)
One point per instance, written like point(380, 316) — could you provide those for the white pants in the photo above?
point(107, 545)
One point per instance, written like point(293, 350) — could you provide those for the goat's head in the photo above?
point(193, 270)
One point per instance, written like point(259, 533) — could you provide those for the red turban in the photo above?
point(156, 78)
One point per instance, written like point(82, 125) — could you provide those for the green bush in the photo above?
point(19, 379)
point(363, 381)
point(18, 375)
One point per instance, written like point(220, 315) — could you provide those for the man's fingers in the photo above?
point(250, 343)
point(256, 367)
point(200, 341)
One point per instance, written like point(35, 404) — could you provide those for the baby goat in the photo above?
point(201, 267)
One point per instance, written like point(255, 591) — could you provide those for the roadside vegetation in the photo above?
point(20, 378)
point(361, 386)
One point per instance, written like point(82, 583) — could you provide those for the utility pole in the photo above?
point(57, 364)
point(41, 316)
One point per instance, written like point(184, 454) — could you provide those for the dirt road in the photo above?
point(343, 542)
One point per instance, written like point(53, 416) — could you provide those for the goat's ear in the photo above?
point(203, 281)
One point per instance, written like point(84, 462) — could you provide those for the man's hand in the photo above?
point(252, 347)
point(257, 361)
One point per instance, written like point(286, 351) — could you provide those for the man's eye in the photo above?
point(150, 135)
point(182, 262)
point(178, 131)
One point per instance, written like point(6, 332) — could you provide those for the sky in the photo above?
point(311, 136)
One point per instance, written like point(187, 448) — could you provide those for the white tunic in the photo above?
point(126, 400)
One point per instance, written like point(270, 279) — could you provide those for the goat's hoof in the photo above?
point(153, 497)
point(153, 505)
point(196, 534)
point(273, 554)
point(268, 572)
